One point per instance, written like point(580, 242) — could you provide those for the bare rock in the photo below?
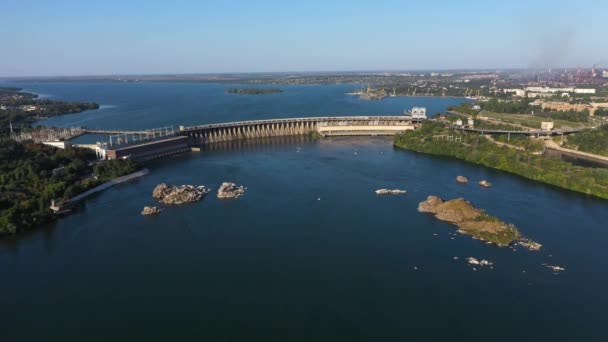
point(555, 268)
point(462, 179)
point(161, 190)
point(431, 205)
point(150, 211)
point(230, 190)
point(390, 192)
point(529, 244)
point(485, 183)
point(480, 262)
point(179, 194)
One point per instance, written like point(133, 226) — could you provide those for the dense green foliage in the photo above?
point(253, 91)
point(601, 112)
point(463, 108)
point(479, 150)
point(514, 107)
point(28, 183)
point(592, 141)
point(571, 116)
point(115, 168)
point(528, 143)
point(482, 124)
point(32, 175)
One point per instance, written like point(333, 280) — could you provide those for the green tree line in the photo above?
point(479, 150)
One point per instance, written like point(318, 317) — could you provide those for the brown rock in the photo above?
point(150, 211)
point(462, 179)
point(230, 190)
point(430, 205)
point(470, 220)
point(161, 190)
point(179, 194)
point(485, 183)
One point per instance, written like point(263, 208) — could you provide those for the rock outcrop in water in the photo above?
point(482, 262)
point(390, 192)
point(462, 179)
point(529, 244)
point(150, 211)
point(470, 220)
point(485, 183)
point(230, 190)
point(181, 194)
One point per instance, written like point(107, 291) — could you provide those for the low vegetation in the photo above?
point(470, 220)
point(591, 141)
point(431, 139)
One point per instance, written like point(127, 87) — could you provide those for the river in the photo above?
point(309, 252)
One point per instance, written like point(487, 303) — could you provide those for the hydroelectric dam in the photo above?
point(325, 126)
point(143, 146)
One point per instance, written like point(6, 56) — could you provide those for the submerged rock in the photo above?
point(462, 179)
point(150, 211)
point(555, 268)
point(179, 194)
point(482, 262)
point(230, 190)
point(390, 192)
point(470, 220)
point(485, 183)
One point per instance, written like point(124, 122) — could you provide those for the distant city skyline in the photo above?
point(74, 38)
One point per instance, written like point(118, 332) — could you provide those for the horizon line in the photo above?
point(234, 73)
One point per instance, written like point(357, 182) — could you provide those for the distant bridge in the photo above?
point(326, 126)
point(531, 133)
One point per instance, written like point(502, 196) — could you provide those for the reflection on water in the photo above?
point(266, 144)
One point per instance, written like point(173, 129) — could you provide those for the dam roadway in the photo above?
point(326, 126)
point(150, 146)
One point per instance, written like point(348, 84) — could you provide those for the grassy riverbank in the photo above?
point(432, 138)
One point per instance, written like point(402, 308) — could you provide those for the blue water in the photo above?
point(310, 252)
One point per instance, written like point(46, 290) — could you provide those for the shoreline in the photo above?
point(536, 181)
point(551, 145)
point(429, 96)
point(551, 171)
point(109, 184)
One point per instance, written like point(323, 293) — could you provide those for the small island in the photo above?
point(470, 220)
point(176, 195)
point(253, 91)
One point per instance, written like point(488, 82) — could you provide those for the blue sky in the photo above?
point(42, 38)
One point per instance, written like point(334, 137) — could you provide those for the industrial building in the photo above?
point(150, 149)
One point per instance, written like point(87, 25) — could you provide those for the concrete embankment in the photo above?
point(552, 145)
point(109, 184)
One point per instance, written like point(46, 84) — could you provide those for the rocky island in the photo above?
point(485, 183)
point(462, 179)
point(169, 194)
point(471, 220)
point(150, 211)
point(230, 190)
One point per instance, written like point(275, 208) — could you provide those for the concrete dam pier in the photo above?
point(153, 144)
point(325, 126)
